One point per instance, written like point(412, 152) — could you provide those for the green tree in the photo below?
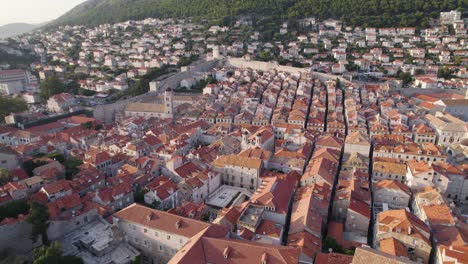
point(51, 86)
point(48, 254)
point(185, 61)
point(445, 73)
point(15, 61)
point(56, 156)
point(11, 105)
point(457, 60)
point(9, 257)
point(140, 87)
point(5, 176)
point(71, 167)
point(31, 164)
point(39, 155)
point(39, 217)
point(419, 72)
point(86, 92)
point(87, 125)
point(13, 209)
point(139, 195)
point(74, 51)
point(350, 251)
point(72, 87)
point(205, 217)
point(405, 77)
point(376, 13)
point(330, 242)
point(338, 83)
point(137, 260)
point(156, 205)
point(264, 56)
point(52, 254)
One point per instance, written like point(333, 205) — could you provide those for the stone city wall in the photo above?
point(266, 66)
point(106, 113)
point(18, 237)
point(59, 228)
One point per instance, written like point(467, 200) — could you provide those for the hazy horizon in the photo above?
point(34, 11)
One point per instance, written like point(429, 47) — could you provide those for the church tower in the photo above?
point(169, 103)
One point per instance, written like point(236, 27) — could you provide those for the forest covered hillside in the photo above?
point(378, 13)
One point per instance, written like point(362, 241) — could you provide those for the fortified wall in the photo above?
point(106, 113)
point(17, 236)
point(174, 80)
point(266, 66)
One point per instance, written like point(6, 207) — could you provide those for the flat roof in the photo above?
point(252, 216)
point(122, 254)
point(226, 195)
point(97, 236)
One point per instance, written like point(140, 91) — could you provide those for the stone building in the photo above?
point(160, 235)
point(147, 110)
point(408, 230)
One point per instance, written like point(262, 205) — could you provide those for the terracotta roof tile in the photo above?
point(366, 255)
point(439, 214)
point(216, 250)
point(391, 184)
point(333, 258)
point(160, 220)
point(393, 247)
point(404, 222)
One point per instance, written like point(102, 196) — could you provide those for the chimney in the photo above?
point(226, 252)
point(150, 216)
point(178, 223)
point(264, 258)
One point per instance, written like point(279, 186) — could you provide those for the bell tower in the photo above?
point(169, 103)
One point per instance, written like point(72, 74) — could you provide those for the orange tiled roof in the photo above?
point(219, 250)
point(333, 258)
point(393, 247)
point(238, 161)
point(274, 192)
point(404, 222)
point(451, 236)
point(439, 214)
point(167, 222)
point(391, 184)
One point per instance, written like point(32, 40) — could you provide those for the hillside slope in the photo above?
point(14, 29)
point(379, 13)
